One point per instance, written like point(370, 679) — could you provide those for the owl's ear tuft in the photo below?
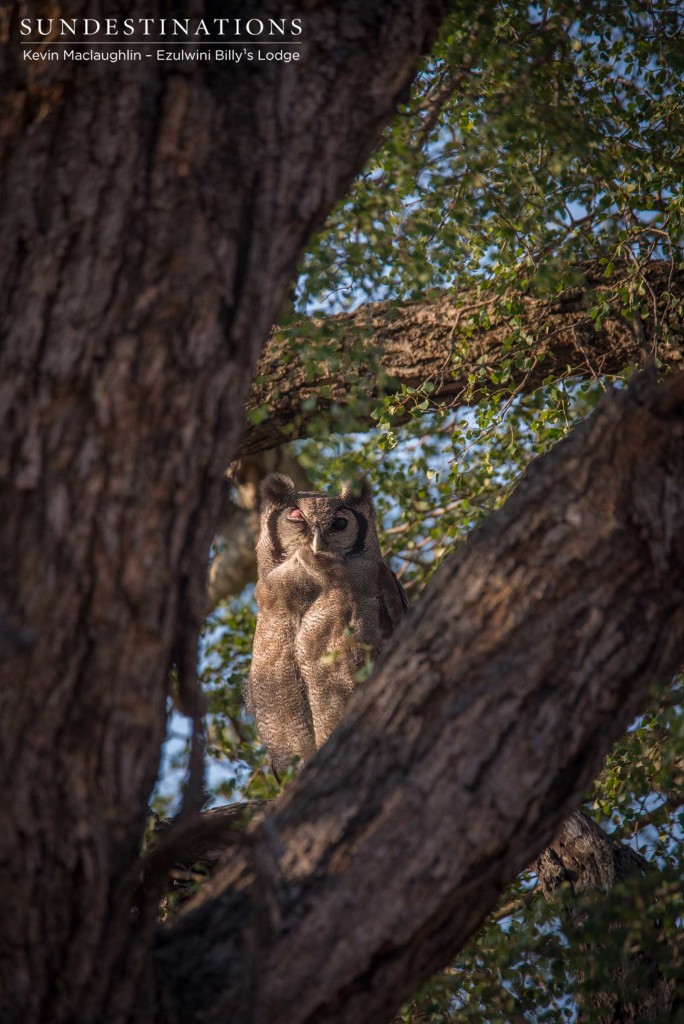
point(278, 489)
point(356, 490)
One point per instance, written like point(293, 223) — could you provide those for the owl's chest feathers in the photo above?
point(306, 582)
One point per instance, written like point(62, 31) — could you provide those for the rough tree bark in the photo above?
point(457, 762)
point(151, 223)
point(418, 341)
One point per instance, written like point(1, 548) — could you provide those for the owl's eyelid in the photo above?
point(295, 515)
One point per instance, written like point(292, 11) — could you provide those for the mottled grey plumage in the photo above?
point(327, 602)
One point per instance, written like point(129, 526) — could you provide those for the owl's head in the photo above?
point(342, 526)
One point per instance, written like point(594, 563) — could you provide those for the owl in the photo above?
point(327, 602)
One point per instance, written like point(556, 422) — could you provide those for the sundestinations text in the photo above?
point(160, 27)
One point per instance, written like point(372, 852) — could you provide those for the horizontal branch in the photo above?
point(485, 719)
point(458, 342)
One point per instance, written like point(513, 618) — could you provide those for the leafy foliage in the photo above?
point(538, 135)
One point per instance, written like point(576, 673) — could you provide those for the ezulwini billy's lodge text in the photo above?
point(230, 55)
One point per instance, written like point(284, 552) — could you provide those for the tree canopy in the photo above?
point(523, 219)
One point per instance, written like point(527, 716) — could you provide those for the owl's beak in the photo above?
point(316, 540)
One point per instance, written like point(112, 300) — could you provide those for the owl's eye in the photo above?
point(295, 515)
point(338, 523)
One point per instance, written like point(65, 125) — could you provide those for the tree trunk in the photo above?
point(151, 224)
point(487, 716)
point(410, 343)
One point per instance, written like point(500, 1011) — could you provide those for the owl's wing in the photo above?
point(394, 602)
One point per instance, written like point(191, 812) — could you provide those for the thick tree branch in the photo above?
point(435, 340)
point(486, 718)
